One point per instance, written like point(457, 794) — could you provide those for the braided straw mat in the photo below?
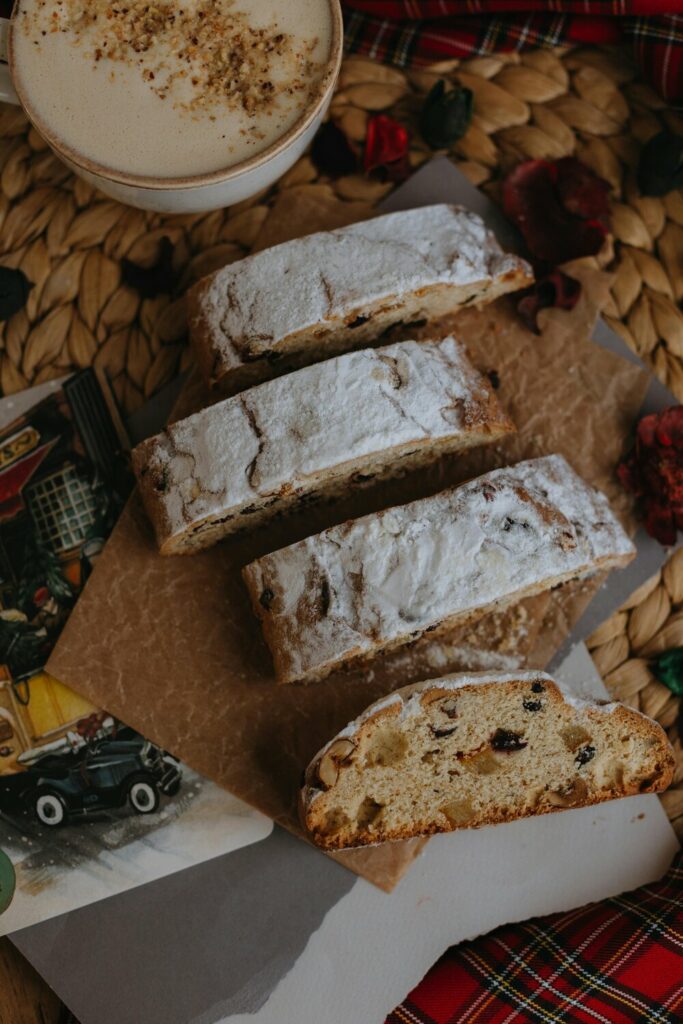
point(70, 241)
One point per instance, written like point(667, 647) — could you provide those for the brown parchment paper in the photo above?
point(170, 644)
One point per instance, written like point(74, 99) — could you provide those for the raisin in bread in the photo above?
point(476, 749)
point(377, 583)
point(315, 432)
point(329, 292)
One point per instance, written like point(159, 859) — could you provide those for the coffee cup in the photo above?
point(264, 125)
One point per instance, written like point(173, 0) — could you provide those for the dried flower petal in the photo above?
point(14, 289)
point(669, 428)
point(546, 201)
point(653, 472)
point(582, 192)
point(332, 152)
point(660, 168)
point(557, 290)
point(154, 280)
point(445, 116)
point(386, 146)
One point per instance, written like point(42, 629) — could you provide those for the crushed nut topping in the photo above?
point(198, 54)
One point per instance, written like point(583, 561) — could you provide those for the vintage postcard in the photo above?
point(88, 806)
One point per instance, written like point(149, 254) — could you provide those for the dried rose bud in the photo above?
point(554, 291)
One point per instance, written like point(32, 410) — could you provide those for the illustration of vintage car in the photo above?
point(111, 772)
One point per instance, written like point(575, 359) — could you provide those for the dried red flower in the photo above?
point(561, 209)
point(653, 471)
point(557, 290)
point(40, 597)
point(386, 148)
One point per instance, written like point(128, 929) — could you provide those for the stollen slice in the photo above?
point(333, 291)
point(377, 583)
point(476, 749)
point(310, 435)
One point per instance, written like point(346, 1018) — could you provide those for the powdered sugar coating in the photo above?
point(381, 580)
point(249, 307)
point(321, 422)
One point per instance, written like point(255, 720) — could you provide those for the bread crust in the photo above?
point(653, 772)
point(335, 291)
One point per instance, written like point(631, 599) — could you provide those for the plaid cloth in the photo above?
point(413, 32)
point(614, 962)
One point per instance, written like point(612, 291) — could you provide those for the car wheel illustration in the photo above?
point(143, 796)
point(49, 809)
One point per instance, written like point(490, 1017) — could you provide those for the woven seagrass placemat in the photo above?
point(72, 242)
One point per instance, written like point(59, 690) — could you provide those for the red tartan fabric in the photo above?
point(413, 32)
point(614, 962)
point(411, 9)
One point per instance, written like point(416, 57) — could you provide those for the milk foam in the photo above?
point(109, 112)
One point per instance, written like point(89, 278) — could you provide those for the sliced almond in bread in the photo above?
point(312, 434)
point(378, 583)
point(476, 749)
point(327, 293)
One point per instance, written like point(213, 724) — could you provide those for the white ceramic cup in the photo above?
point(202, 192)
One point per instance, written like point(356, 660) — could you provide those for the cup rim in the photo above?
point(155, 183)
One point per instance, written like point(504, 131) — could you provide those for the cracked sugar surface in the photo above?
point(389, 256)
point(286, 435)
point(394, 574)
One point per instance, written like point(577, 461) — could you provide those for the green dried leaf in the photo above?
point(668, 668)
point(8, 881)
point(445, 116)
point(660, 168)
point(14, 289)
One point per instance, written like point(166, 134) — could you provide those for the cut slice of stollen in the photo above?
point(476, 749)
